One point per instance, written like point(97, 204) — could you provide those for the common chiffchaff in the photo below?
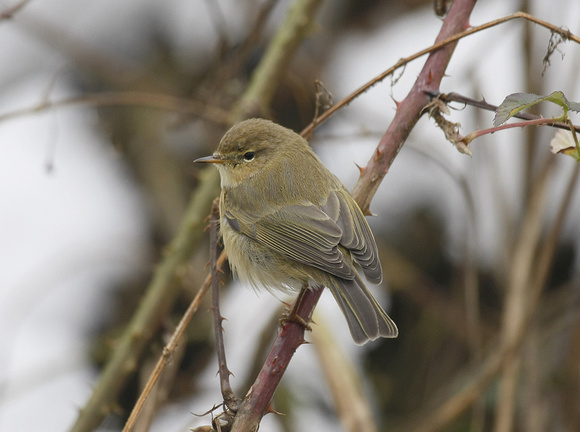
point(287, 223)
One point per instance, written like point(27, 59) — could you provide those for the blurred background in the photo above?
point(103, 108)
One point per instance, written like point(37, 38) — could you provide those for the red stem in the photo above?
point(535, 122)
point(257, 401)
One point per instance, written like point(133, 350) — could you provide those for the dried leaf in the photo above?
point(563, 142)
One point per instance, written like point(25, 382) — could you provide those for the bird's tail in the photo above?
point(365, 317)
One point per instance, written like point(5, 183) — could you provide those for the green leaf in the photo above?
point(574, 106)
point(512, 105)
point(517, 102)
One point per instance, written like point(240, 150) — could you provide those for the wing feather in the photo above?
point(357, 236)
point(302, 232)
point(317, 236)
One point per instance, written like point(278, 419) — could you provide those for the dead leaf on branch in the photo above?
point(451, 130)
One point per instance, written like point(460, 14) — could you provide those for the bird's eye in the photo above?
point(249, 155)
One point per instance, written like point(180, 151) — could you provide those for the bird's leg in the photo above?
point(293, 315)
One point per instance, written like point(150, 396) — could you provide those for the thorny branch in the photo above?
point(483, 104)
point(230, 400)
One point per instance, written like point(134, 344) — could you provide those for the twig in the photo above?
point(9, 12)
point(171, 345)
point(161, 390)
point(536, 122)
point(440, 43)
point(257, 400)
point(410, 109)
point(159, 297)
point(130, 98)
point(250, 42)
point(483, 104)
point(470, 276)
point(218, 20)
point(352, 407)
point(475, 380)
point(518, 305)
point(276, 60)
point(320, 90)
point(230, 399)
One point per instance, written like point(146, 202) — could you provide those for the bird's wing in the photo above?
point(356, 233)
point(316, 236)
point(302, 232)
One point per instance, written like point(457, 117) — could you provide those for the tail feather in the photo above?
point(365, 317)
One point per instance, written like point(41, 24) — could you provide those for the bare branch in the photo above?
point(230, 400)
point(172, 344)
point(9, 12)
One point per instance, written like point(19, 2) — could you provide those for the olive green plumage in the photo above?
point(287, 222)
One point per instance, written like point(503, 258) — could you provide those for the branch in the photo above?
point(130, 98)
point(257, 400)
point(451, 39)
point(540, 121)
point(344, 381)
point(276, 60)
point(171, 346)
point(483, 104)
point(159, 298)
point(474, 381)
point(228, 395)
point(411, 108)
point(9, 12)
point(518, 304)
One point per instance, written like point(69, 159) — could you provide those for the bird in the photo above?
point(288, 223)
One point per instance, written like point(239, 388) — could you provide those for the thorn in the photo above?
point(378, 153)
point(209, 411)
point(361, 170)
point(271, 410)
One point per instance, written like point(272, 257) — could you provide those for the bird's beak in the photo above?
point(217, 159)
